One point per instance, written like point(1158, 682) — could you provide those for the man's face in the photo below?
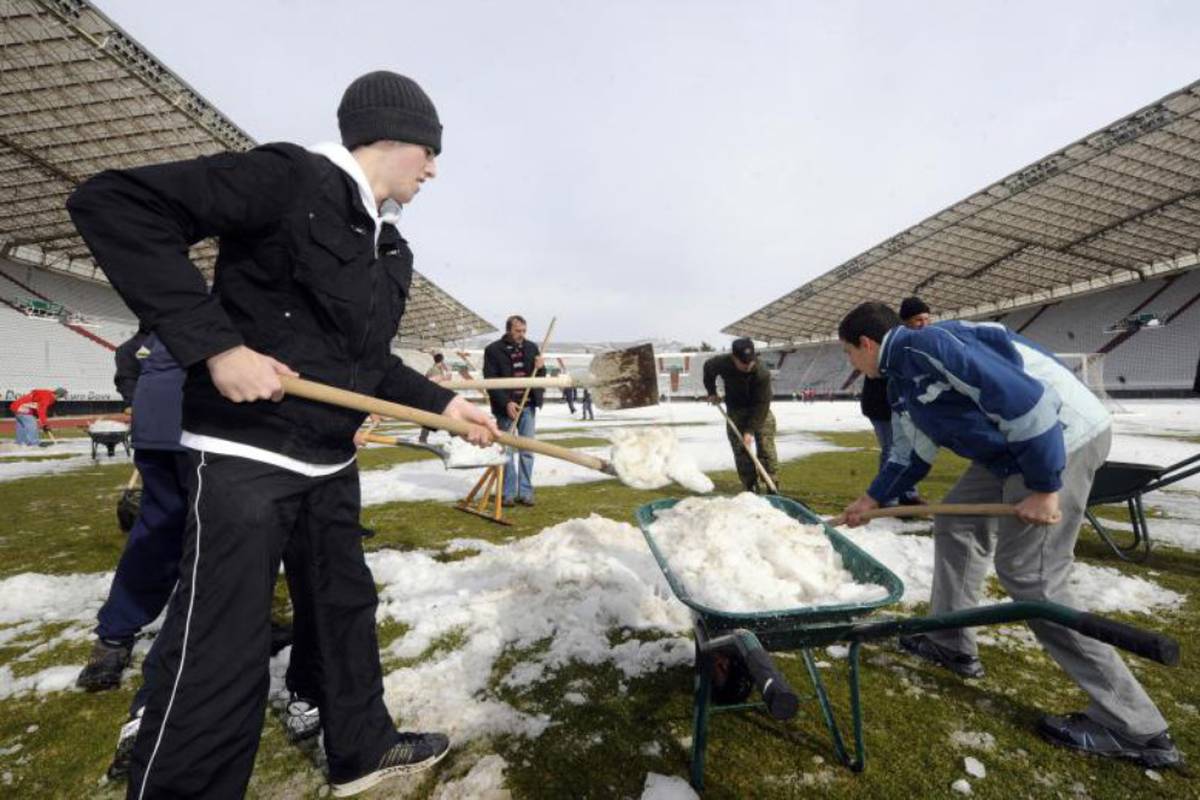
point(918, 320)
point(517, 332)
point(743, 366)
point(864, 357)
point(406, 167)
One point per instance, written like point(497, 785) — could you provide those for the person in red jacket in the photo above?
point(25, 408)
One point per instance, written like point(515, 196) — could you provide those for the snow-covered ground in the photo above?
point(574, 583)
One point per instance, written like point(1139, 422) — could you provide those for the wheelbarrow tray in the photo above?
point(815, 624)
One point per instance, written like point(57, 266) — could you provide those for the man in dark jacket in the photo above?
point(748, 403)
point(312, 277)
point(514, 356)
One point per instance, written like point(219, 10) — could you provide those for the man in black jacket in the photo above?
point(748, 403)
point(514, 356)
point(312, 277)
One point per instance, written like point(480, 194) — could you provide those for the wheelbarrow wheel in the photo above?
point(732, 682)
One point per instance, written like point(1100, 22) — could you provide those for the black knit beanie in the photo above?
point(911, 306)
point(384, 105)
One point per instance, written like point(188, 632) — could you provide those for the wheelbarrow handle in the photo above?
point(1147, 644)
point(781, 700)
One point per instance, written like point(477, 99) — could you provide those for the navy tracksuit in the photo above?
point(149, 566)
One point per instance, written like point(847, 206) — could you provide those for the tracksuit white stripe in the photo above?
point(186, 629)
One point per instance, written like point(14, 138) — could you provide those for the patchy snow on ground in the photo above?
point(1095, 588)
point(485, 781)
point(667, 787)
point(742, 554)
point(569, 585)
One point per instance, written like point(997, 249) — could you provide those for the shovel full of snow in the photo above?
point(617, 379)
point(332, 395)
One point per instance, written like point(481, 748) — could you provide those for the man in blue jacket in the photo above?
point(1035, 436)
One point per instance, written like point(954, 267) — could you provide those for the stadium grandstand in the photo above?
point(1091, 251)
point(78, 95)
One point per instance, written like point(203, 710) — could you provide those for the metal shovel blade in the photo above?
point(624, 378)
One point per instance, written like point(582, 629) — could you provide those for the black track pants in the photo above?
point(207, 672)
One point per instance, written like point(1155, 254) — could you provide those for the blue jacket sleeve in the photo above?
point(908, 462)
point(1022, 408)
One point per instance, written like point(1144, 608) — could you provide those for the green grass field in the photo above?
point(58, 745)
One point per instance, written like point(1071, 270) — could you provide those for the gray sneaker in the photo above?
point(964, 664)
point(411, 753)
point(1081, 732)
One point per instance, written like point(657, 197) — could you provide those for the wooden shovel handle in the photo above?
point(550, 382)
point(322, 393)
point(955, 509)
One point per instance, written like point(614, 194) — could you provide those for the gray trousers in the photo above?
point(1033, 562)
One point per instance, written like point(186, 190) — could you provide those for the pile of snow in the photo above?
point(565, 588)
point(743, 554)
point(650, 458)
point(107, 426)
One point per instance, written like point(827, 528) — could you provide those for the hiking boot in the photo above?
point(525, 501)
point(118, 770)
point(963, 664)
point(411, 753)
point(105, 665)
point(301, 718)
point(1081, 732)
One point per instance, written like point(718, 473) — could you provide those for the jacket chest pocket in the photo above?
point(332, 255)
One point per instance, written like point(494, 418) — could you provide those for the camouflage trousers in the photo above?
point(764, 448)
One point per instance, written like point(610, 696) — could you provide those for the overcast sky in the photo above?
point(662, 168)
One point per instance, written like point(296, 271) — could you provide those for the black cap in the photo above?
point(911, 306)
point(743, 350)
point(384, 105)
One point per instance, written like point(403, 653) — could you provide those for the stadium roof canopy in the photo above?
point(1120, 205)
point(79, 95)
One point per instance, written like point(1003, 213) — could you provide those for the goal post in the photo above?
point(1089, 368)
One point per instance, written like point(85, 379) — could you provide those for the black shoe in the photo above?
point(301, 718)
point(507, 503)
point(525, 501)
point(1081, 732)
point(968, 666)
point(104, 667)
point(118, 770)
point(412, 752)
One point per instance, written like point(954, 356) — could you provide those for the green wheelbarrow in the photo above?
point(733, 648)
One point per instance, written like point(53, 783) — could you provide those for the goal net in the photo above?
point(1089, 368)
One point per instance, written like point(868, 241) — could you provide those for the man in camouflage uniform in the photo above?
point(748, 402)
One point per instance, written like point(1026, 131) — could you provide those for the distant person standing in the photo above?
point(514, 356)
point(587, 412)
point(30, 411)
point(569, 398)
point(748, 403)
